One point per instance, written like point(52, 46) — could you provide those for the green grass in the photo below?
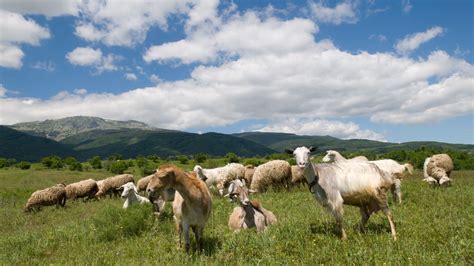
point(435, 226)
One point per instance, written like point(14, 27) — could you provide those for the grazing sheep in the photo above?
point(396, 171)
point(334, 156)
point(220, 177)
point(249, 171)
point(249, 214)
point(85, 188)
point(143, 183)
point(358, 184)
point(297, 175)
point(276, 172)
point(112, 184)
point(130, 194)
point(437, 169)
point(192, 203)
point(47, 197)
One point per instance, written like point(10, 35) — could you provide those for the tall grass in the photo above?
point(435, 226)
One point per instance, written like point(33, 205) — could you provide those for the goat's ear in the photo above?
point(313, 149)
point(289, 151)
point(231, 188)
point(243, 182)
point(252, 191)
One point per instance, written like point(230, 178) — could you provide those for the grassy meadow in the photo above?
point(435, 226)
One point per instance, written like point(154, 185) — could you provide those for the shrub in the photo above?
point(95, 162)
point(232, 157)
point(75, 166)
point(140, 160)
point(3, 163)
point(53, 162)
point(253, 161)
point(200, 157)
point(155, 158)
point(115, 157)
point(183, 159)
point(70, 160)
point(23, 165)
point(114, 222)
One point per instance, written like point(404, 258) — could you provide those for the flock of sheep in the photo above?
point(335, 182)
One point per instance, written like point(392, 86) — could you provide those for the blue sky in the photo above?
point(384, 70)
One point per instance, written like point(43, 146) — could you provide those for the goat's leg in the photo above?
point(187, 241)
point(338, 214)
point(198, 235)
point(365, 215)
point(389, 215)
point(179, 229)
point(397, 190)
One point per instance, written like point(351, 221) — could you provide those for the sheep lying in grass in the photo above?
point(220, 177)
point(397, 172)
point(272, 173)
point(130, 194)
point(358, 184)
point(249, 214)
point(437, 169)
point(192, 203)
point(112, 184)
point(85, 188)
point(47, 197)
point(334, 156)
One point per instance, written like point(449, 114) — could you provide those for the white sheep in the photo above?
point(220, 177)
point(334, 156)
point(272, 173)
point(85, 188)
point(396, 171)
point(47, 197)
point(437, 169)
point(358, 184)
point(249, 214)
point(111, 184)
point(130, 194)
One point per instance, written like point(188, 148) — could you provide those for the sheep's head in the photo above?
point(161, 180)
point(302, 156)
point(128, 189)
point(330, 157)
point(198, 170)
point(238, 192)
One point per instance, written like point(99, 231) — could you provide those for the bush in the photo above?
point(140, 160)
point(118, 167)
point(153, 158)
point(70, 160)
point(232, 157)
point(95, 162)
point(183, 159)
point(23, 165)
point(253, 161)
point(3, 163)
point(200, 157)
point(115, 222)
point(53, 162)
point(75, 166)
point(115, 157)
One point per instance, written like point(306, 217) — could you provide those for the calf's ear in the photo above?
point(313, 149)
point(289, 151)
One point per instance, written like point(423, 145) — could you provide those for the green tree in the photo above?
point(70, 160)
point(153, 158)
point(140, 160)
point(200, 157)
point(23, 165)
point(53, 162)
point(232, 157)
point(118, 167)
point(115, 157)
point(183, 159)
point(3, 163)
point(75, 166)
point(95, 162)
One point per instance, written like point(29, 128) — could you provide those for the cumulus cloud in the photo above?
point(413, 41)
point(344, 130)
point(49, 8)
point(15, 31)
point(342, 13)
point(130, 76)
point(87, 56)
point(155, 78)
point(3, 91)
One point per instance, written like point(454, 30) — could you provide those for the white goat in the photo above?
point(249, 214)
point(220, 177)
point(130, 194)
point(396, 171)
point(358, 184)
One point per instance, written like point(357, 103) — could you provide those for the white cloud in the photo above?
point(378, 37)
point(16, 30)
point(49, 8)
point(3, 91)
point(80, 91)
point(245, 35)
point(342, 13)
point(47, 66)
point(413, 41)
point(406, 6)
point(321, 127)
point(130, 76)
point(86, 56)
point(155, 79)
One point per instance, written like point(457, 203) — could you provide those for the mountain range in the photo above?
point(84, 137)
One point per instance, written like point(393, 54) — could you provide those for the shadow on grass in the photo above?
point(210, 245)
point(325, 228)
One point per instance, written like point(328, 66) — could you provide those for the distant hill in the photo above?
point(59, 129)
point(282, 141)
point(24, 147)
point(133, 142)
